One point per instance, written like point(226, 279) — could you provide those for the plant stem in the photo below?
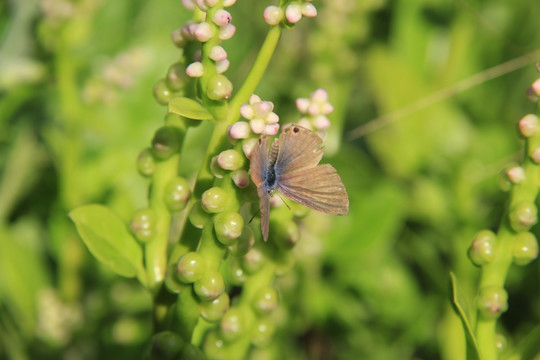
point(255, 74)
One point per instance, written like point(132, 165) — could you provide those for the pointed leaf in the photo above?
point(109, 240)
point(460, 305)
point(188, 108)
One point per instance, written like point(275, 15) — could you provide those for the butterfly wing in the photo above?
point(259, 160)
point(299, 148)
point(264, 207)
point(319, 188)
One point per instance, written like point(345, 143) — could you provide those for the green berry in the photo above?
point(253, 260)
point(482, 250)
point(143, 225)
point(262, 332)
point(146, 162)
point(162, 93)
point(214, 346)
point(191, 352)
point(216, 170)
point(287, 234)
point(230, 160)
point(190, 267)
point(213, 310)
point(525, 248)
point(228, 226)
point(176, 77)
point(219, 88)
point(166, 142)
point(166, 345)
point(244, 243)
point(197, 216)
point(266, 300)
point(236, 275)
point(210, 285)
point(172, 282)
point(492, 302)
point(232, 325)
point(214, 200)
point(501, 343)
point(522, 216)
point(177, 193)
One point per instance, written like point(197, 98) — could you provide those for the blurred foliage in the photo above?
point(76, 107)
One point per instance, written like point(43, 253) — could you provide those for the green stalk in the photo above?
point(494, 273)
point(255, 74)
point(156, 250)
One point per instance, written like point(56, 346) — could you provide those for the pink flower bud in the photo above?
point(178, 38)
point(516, 174)
point(257, 125)
point(309, 10)
point(529, 125)
point(187, 31)
point(204, 32)
point(240, 130)
point(536, 87)
point(313, 109)
point(535, 155)
point(321, 122)
point(254, 99)
point(189, 4)
point(217, 53)
point(247, 111)
point(227, 3)
point(240, 178)
point(293, 13)
point(326, 108)
point(222, 66)
point(222, 17)
point(201, 4)
point(273, 15)
point(272, 118)
point(248, 146)
point(262, 108)
point(319, 95)
point(302, 105)
point(271, 129)
point(195, 69)
point(226, 32)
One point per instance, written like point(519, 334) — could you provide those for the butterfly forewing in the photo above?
point(299, 148)
point(319, 188)
point(258, 160)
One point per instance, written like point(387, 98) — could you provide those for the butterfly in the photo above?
point(291, 167)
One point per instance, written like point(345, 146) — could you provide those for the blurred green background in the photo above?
point(76, 108)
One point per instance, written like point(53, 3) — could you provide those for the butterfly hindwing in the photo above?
point(319, 188)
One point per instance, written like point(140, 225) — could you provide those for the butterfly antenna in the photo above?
point(253, 217)
point(287, 205)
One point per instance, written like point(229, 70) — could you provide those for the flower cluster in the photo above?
point(262, 119)
point(315, 110)
point(220, 26)
point(274, 15)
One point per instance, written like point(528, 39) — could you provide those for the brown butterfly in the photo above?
point(291, 167)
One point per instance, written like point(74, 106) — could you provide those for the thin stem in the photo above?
point(255, 74)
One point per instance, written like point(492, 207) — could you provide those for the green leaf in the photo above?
point(188, 108)
point(460, 305)
point(108, 239)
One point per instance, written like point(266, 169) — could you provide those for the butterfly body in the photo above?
point(290, 166)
